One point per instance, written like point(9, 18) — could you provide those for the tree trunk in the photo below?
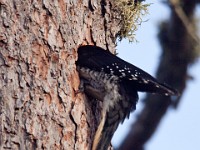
point(40, 107)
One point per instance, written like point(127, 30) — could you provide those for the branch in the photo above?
point(185, 20)
point(178, 53)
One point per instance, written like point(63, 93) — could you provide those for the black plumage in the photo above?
point(98, 59)
point(115, 82)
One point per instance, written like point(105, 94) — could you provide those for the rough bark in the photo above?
point(179, 51)
point(39, 105)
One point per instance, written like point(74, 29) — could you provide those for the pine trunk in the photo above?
point(40, 107)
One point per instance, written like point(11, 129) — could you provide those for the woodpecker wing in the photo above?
point(98, 59)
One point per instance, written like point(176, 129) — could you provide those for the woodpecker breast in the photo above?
point(118, 101)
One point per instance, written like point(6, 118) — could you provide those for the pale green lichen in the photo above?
point(131, 14)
